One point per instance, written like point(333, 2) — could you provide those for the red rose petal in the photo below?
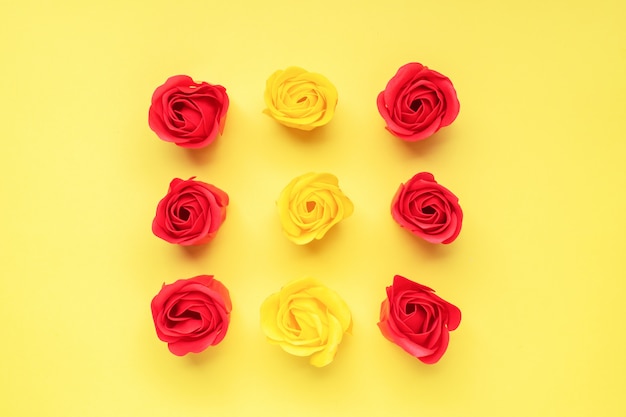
point(416, 319)
point(427, 209)
point(417, 102)
point(191, 314)
point(191, 213)
point(187, 113)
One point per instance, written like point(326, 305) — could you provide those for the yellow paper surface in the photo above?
point(535, 157)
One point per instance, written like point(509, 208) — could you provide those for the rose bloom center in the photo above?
point(415, 105)
point(183, 213)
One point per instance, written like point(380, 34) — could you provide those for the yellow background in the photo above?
point(536, 157)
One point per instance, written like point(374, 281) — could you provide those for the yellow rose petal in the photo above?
point(335, 305)
point(298, 286)
point(269, 313)
point(310, 205)
point(299, 350)
point(305, 318)
point(300, 99)
point(327, 355)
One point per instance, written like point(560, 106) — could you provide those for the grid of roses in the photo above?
point(305, 318)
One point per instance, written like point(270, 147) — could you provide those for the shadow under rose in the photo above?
point(196, 251)
point(318, 135)
point(316, 246)
point(329, 242)
point(204, 155)
point(210, 354)
point(426, 249)
point(427, 145)
point(437, 250)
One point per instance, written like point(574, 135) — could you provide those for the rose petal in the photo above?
point(310, 205)
point(300, 99)
point(306, 319)
point(191, 213)
point(335, 334)
point(417, 102)
point(427, 209)
point(417, 320)
point(186, 113)
point(191, 314)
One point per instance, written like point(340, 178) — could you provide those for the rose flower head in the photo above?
point(191, 314)
point(191, 212)
point(300, 99)
point(306, 319)
point(310, 205)
point(417, 102)
point(416, 319)
point(186, 113)
point(427, 209)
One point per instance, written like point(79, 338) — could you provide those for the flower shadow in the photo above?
point(427, 145)
point(433, 250)
point(200, 359)
point(204, 155)
point(196, 251)
point(426, 249)
point(318, 135)
point(329, 242)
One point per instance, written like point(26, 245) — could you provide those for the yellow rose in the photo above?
point(301, 99)
point(306, 319)
point(310, 205)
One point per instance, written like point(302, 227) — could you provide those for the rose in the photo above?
point(306, 319)
point(300, 99)
point(310, 205)
point(427, 209)
point(417, 102)
point(187, 113)
point(191, 314)
point(190, 213)
point(417, 320)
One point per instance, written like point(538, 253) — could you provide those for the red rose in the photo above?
point(417, 102)
point(190, 213)
point(187, 113)
point(417, 320)
point(191, 314)
point(427, 209)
